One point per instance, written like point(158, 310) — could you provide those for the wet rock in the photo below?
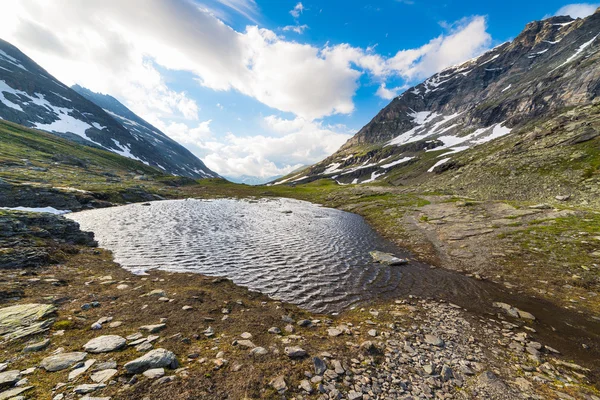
point(105, 344)
point(387, 258)
point(38, 346)
point(62, 361)
point(158, 358)
point(24, 320)
point(294, 352)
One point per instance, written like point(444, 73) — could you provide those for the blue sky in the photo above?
point(259, 87)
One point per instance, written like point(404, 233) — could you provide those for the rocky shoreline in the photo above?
point(100, 332)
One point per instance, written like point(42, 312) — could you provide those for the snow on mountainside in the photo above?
point(553, 64)
point(32, 97)
point(143, 130)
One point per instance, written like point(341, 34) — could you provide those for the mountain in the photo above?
point(251, 180)
point(535, 96)
point(31, 97)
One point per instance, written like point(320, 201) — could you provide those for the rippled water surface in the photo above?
point(295, 251)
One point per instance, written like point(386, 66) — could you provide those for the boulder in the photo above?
point(9, 378)
point(25, 319)
point(158, 358)
point(105, 344)
point(62, 361)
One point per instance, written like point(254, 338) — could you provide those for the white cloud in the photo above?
point(390, 93)
point(185, 135)
point(467, 38)
point(297, 142)
point(297, 10)
point(578, 10)
point(299, 29)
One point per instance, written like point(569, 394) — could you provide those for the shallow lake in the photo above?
point(312, 256)
point(292, 250)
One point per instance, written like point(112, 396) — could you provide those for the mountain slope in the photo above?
point(142, 130)
point(32, 97)
point(550, 67)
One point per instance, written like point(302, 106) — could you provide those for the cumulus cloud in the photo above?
point(467, 38)
point(299, 29)
point(296, 142)
point(389, 94)
point(578, 10)
point(297, 10)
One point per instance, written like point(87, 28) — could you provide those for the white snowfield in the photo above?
point(577, 52)
point(50, 210)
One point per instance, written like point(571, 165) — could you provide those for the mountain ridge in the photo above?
point(32, 97)
point(548, 67)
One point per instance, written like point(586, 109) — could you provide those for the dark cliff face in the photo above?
point(551, 65)
point(30, 96)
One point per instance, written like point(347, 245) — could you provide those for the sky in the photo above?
point(261, 87)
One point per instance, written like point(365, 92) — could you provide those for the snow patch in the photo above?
point(437, 164)
point(577, 52)
point(397, 162)
point(506, 88)
point(12, 60)
point(50, 210)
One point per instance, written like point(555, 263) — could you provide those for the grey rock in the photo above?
point(9, 378)
point(294, 352)
point(158, 358)
point(154, 373)
point(306, 386)
point(387, 258)
point(275, 330)
point(320, 366)
point(80, 370)
point(279, 384)
point(103, 376)
point(434, 340)
point(105, 344)
point(62, 361)
point(259, 351)
point(88, 388)
point(38, 346)
point(9, 394)
point(153, 328)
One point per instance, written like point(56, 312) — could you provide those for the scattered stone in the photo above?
point(154, 373)
point(334, 332)
point(103, 376)
point(105, 344)
point(320, 366)
point(279, 384)
point(434, 340)
point(153, 328)
point(306, 386)
point(246, 335)
point(38, 346)
point(122, 286)
point(11, 393)
point(144, 347)
point(62, 361)
point(9, 378)
point(88, 388)
point(259, 351)
point(187, 308)
point(78, 371)
point(372, 332)
point(304, 323)
point(294, 352)
point(246, 343)
point(158, 358)
point(275, 330)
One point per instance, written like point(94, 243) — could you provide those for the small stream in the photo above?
point(312, 256)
